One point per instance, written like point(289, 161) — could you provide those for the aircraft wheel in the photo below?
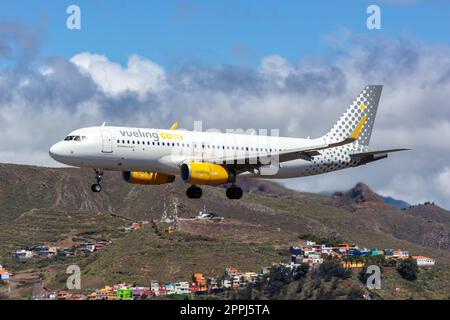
point(194, 192)
point(234, 192)
point(96, 187)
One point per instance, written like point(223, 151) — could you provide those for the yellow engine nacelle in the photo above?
point(147, 177)
point(204, 173)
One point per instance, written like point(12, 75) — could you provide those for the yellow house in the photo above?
point(107, 293)
point(352, 264)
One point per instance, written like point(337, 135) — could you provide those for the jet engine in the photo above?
point(154, 178)
point(200, 173)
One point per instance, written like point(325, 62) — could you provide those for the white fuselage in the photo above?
point(157, 150)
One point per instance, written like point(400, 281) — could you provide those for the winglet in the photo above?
point(174, 126)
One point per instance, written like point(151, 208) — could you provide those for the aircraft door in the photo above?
point(106, 141)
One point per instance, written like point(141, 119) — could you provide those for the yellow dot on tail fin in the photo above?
point(362, 107)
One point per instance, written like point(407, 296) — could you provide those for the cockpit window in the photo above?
point(75, 138)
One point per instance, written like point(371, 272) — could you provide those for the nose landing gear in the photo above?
point(96, 187)
point(194, 192)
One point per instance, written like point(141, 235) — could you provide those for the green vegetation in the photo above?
point(330, 268)
point(321, 240)
point(42, 205)
point(408, 269)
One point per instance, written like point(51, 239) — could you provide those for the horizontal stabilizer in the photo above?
point(375, 152)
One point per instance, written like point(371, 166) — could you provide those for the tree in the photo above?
point(408, 269)
point(330, 269)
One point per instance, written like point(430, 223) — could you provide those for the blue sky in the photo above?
point(291, 65)
point(173, 33)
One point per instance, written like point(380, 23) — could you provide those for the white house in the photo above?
point(424, 261)
point(182, 287)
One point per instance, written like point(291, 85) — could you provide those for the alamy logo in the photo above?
point(73, 21)
point(374, 20)
point(374, 280)
point(73, 281)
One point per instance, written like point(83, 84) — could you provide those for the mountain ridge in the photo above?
point(42, 205)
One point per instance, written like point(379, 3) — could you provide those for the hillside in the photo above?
point(42, 205)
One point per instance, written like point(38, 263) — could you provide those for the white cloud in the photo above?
point(442, 180)
point(302, 98)
point(141, 76)
point(276, 68)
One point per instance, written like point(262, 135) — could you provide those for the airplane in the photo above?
point(150, 156)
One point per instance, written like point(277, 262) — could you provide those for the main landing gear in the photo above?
point(234, 192)
point(194, 192)
point(97, 187)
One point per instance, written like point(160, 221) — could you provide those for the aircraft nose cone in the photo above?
point(56, 151)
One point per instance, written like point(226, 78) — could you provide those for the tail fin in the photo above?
point(364, 106)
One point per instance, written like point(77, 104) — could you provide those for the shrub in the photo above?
point(330, 269)
point(408, 269)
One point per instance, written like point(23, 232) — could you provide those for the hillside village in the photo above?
point(312, 254)
point(47, 237)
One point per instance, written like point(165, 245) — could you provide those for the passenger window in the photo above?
point(123, 141)
point(118, 141)
point(137, 142)
point(133, 141)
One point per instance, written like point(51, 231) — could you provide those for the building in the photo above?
point(107, 293)
point(236, 281)
point(352, 264)
point(397, 253)
point(361, 252)
point(250, 276)
point(231, 272)
point(5, 274)
point(296, 251)
point(312, 261)
point(182, 287)
point(154, 287)
point(226, 284)
point(170, 288)
point(124, 294)
point(24, 254)
point(375, 252)
point(199, 281)
point(422, 261)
